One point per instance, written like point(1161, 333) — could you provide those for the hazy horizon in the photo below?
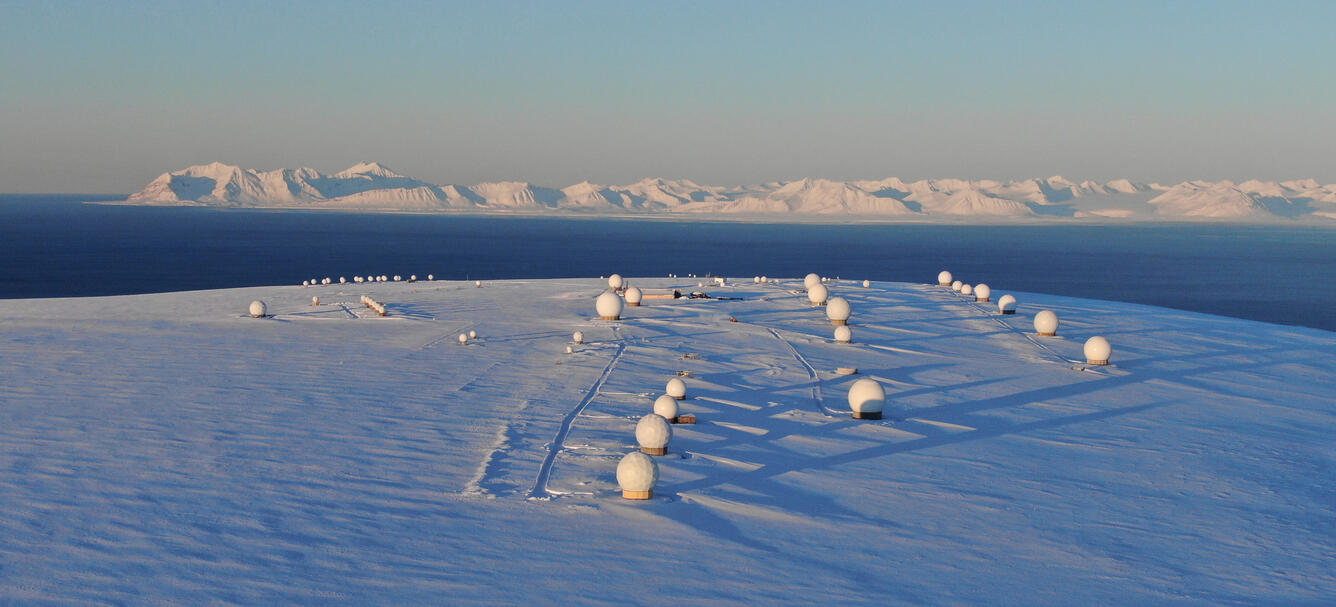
point(102, 99)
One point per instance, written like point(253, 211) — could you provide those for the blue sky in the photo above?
point(102, 97)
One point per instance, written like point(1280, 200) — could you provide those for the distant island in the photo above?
point(371, 186)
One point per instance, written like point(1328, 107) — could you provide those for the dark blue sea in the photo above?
point(55, 246)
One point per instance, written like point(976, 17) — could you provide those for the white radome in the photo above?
point(637, 474)
point(578, 337)
point(811, 279)
point(615, 282)
point(837, 310)
point(944, 278)
point(1097, 351)
point(463, 338)
point(867, 284)
point(1006, 304)
point(817, 294)
point(431, 277)
point(676, 388)
point(957, 285)
point(477, 283)
point(315, 301)
point(982, 292)
point(633, 296)
point(343, 280)
point(966, 290)
point(258, 309)
point(653, 432)
point(765, 279)
point(756, 279)
point(666, 406)
point(843, 334)
point(609, 306)
point(473, 335)
point(306, 283)
point(1046, 323)
point(867, 399)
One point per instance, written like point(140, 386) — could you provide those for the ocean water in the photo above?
point(55, 246)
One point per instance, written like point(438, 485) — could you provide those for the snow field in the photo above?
point(169, 448)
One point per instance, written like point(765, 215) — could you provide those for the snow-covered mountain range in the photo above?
point(373, 186)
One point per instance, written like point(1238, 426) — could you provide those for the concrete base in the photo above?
point(683, 397)
point(610, 318)
point(839, 323)
point(943, 284)
point(1008, 311)
point(818, 304)
point(847, 370)
point(842, 341)
point(637, 495)
point(867, 415)
point(654, 450)
point(1047, 334)
point(685, 418)
point(981, 299)
point(633, 305)
point(1097, 362)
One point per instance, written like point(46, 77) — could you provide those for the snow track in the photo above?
point(539, 490)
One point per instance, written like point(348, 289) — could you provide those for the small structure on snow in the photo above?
point(1006, 304)
point(676, 388)
point(944, 278)
point(609, 306)
point(666, 406)
point(1097, 350)
point(867, 399)
point(843, 335)
point(258, 309)
point(1046, 323)
point(957, 285)
point(637, 474)
point(633, 296)
point(837, 310)
point(615, 282)
point(578, 337)
point(653, 432)
point(817, 294)
point(982, 292)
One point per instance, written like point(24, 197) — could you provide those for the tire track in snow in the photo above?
point(811, 372)
point(539, 490)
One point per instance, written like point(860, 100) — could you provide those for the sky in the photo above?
point(103, 97)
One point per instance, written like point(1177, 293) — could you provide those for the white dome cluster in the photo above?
point(375, 306)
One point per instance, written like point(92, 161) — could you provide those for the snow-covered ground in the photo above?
point(169, 449)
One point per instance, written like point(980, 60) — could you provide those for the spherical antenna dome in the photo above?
point(615, 282)
point(463, 338)
point(634, 295)
point(1097, 350)
point(1006, 304)
point(982, 292)
point(956, 285)
point(966, 290)
point(1046, 323)
point(637, 474)
point(867, 283)
point(578, 337)
point(676, 388)
point(653, 432)
point(837, 310)
point(811, 279)
point(817, 294)
point(473, 334)
point(866, 399)
point(258, 309)
point(666, 406)
point(944, 278)
point(843, 335)
point(609, 306)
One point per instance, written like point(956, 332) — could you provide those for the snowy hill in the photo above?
point(373, 186)
point(169, 449)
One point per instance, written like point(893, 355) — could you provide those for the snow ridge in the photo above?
point(372, 185)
